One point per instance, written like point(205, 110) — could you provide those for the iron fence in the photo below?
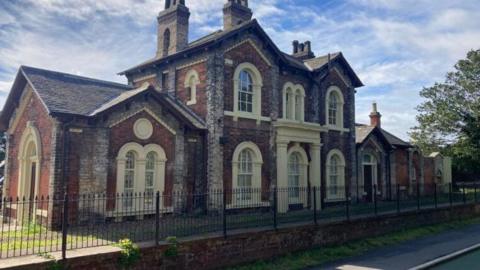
point(50, 224)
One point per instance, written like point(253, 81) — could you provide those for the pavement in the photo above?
point(411, 253)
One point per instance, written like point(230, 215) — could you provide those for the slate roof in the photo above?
point(63, 93)
point(71, 94)
point(363, 131)
point(321, 61)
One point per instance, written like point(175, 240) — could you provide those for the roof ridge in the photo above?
point(23, 67)
point(394, 136)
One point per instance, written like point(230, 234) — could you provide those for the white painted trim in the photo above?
point(341, 179)
point(141, 153)
point(340, 110)
point(192, 74)
point(254, 46)
point(257, 173)
point(152, 114)
point(257, 92)
point(294, 91)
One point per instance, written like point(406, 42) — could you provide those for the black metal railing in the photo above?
point(58, 224)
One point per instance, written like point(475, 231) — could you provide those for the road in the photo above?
point(411, 253)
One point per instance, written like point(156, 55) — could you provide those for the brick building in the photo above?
point(228, 111)
point(385, 162)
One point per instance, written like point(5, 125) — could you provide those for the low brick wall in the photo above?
point(213, 252)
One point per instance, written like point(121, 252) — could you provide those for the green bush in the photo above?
point(130, 253)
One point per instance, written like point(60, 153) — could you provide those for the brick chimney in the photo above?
point(302, 51)
point(236, 12)
point(375, 117)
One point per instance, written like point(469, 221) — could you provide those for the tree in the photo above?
point(449, 118)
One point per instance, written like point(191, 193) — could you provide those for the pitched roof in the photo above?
point(363, 131)
point(321, 61)
point(71, 94)
point(63, 93)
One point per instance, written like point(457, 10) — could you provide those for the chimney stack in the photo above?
point(302, 51)
point(375, 117)
point(172, 28)
point(236, 12)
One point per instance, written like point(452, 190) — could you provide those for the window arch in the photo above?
point(334, 105)
point(166, 41)
point(247, 164)
point(191, 82)
point(247, 92)
point(29, 158)
point(297, 173)
point(293, 102)
point(335, 183)
point(140, 169)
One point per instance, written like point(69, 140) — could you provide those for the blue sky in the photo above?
point(396, 46)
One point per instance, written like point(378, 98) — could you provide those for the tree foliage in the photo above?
point(449, 118)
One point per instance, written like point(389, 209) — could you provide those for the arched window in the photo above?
point(289, 101)
point(166, 42)
point(29, 159)
point(245, 98)
point(334, 107)
point(246, 174)
point(191, 82)
point(293, 102)
point(140, 170)
point(129, 180)
point(335, 185)
point(247, 92)
point(150, 178)
point(294, 175)
point(297, 170)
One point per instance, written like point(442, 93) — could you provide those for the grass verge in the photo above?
point(320, 256)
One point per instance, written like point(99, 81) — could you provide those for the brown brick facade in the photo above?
point(36, 114)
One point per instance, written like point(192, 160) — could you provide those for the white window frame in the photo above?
point(257, 82)
point(303, 181)
point(374, 163)
point(293, 111)
point(257, 161)
point(140, 173)
point(341, 176)
point(191, 81)
point(340, 108)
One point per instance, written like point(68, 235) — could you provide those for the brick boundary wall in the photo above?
point(215, 252)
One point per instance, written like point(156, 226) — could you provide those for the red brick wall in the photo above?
point(401, 167)
point(201, 106)
point(122, 134)
point(37, 114)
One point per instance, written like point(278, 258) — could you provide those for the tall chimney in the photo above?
point(172, 28)
point(302, 51)
point(375, 117)
point(236, 12)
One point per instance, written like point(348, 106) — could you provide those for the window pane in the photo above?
point(245, 95)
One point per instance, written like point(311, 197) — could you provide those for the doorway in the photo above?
point(369, 176)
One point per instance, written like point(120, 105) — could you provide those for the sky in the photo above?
point(396, 47)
